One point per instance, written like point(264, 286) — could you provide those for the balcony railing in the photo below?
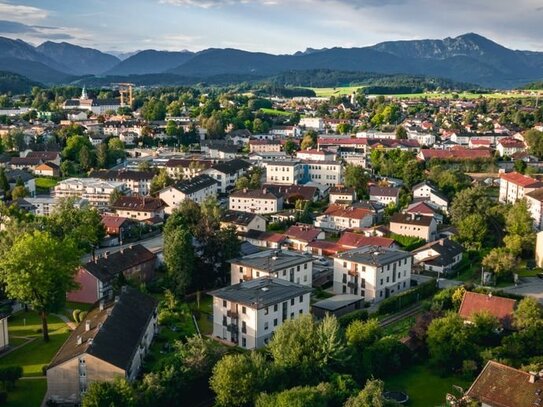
point(353, 272)
point(232, 314)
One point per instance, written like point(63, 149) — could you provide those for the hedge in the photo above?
point(345, 320)
point(407, 298)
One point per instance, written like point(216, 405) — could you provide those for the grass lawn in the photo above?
point(338, 91)
point(46, 183)
point(205, 323)
point(275, 112)
point(27, 393)
point(34, 355)
point(401, 328)
point(424, 387)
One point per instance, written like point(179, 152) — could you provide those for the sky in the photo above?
point(273, 26)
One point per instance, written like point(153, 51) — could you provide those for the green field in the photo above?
point(46, 183)
point(27, 393)
point(339, 91)
point(275, 112)
point(424, 387)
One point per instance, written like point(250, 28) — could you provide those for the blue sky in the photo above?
point(276, 26)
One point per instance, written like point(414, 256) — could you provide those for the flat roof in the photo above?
point(374, 255)
point(337, 302)
point(272, 260)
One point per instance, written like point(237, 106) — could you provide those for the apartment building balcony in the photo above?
point(232, 314)
point(353, 272)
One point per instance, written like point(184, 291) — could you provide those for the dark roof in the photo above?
point(447, 250)
point(187, 162)
point(261, 292)
point(14, 175)
point(337, 302)
point(30, 161)
point(43, 155)
point(107, 268)
point(231, 167)
point(293, 191)
point(254, 193)
point(503, 386)
point(113, 175)
point(384, 191)
point(137, 203)
point(238, 218)
point(374, 255)
point(194, 184)
point(272, 260)
point(411, 219)
point(117, 339)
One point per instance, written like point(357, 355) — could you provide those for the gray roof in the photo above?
point(115, 331)
point(272, 260)
point(194, 184)
point(232, 166)
point(261, 292)
point(337, 302)
point(373, 255)
point(384, 191)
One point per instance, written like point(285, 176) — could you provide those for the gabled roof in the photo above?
point(304, 233)
point(353, 240)
point(521, 180)
point(410, 219)
point(137, 203)
point(348, 212)
point(500, 307)
point(121, 175)
point(231, 167)
point(254, 194)
point(458, 154)
point(292, 191)
point(499, 385)
point(113, 222)
point(194, 184)
point(420, 207)
point(384, 191)
point(374, 256)
point(446, 250)
point(115, 331)
point(107, 268)
point(238, 218)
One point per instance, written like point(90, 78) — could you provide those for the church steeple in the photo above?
point(84, 95)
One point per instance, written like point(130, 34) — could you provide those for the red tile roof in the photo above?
point(519, 179)
point(354, 240)
point(348, 212)
point(113, 222)
point(420, 207)
point(305, 233)
point(501, 308)
point(328, 248)
point(457, 154)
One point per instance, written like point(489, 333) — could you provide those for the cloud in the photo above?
point(21, 14)
point(357, 4)
point(12, 27)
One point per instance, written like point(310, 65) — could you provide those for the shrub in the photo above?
point(359, 315)
point(408, 297)
point(10, 374)
point(75, 315)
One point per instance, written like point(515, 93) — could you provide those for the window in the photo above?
point(275, 322)
point(292, 315)
point(300, 312)
point(243, 327)
point(224, 322)
point(266, 310)
point(344, 264)
point(381, 283)
point(305, 279)
point(265, 326)
point(224, 303)
point(244, 310)
point(284, 272)
point(305, 266)
point(244, 342)
point(292, 301)
point(275, 308)
point(297, 268)
point(344, 290)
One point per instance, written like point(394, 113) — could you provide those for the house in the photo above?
point(440, 256)
point(117, 225)
point(300, 235)
point(342, 194)
point(263, 239)
point(182, 168)
point(283, 264)
point(428, 192)
point(534, 200)
point(47, 169)
point(316, 155)
point(264, 146)
point(385, 195)
point(110, 343)
point(255, 201)
point(374, 273)
point(196, 189)
point(139, 207)
point(293, 193)
point(423, 227)
point(499, 307)
point(425, 209)
point(323, 172)
point(138, 182)
point(350, 240)
point(227, 173)
point(423, 189)
point(243, 221)
point(24, 163)
point(340, 217)
point(18, 176)
point(499, 385)
point(286, 131)
point(459, 154)
point(248, 313)
point(96, 191)
point(96, 277)
point(514, 186)
point(509, 146)
point(312, 123)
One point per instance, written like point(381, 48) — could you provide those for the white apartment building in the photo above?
point(96, 191)
point(182, 168)
point(534, 200)
point(283, 264)
point(385, 195)
point(255, 201)
point(227, 173)
point(247, 314)
point(374, 273)
point(312, 123)
point(342, 194)
point(196, 189)
point(316, 155)
point(284, 172)
point(514, 186)
point(324, 172)
point(138, 182)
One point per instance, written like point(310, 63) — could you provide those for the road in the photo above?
point(154, 244)
point(529, 286)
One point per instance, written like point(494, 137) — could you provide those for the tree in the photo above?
point(357, 178)
point(4, 183)
point(363, 333)
point(214, 126)
point(401, 133)
point(472, 231)
point(290, 147)
point(534, 140)
point(301, 396)
point(74, 144)
point(309, 140)
point(66, 168)
point(238, 379)
point(179, 258)
point(144, 166)
point(19, 192)
point(102, 155)
point(370, 396)
point(501, 261)
point(83, 225)
point(519, 227)
point(85, 158)
point(528, 313)
point(160, 181)
point(242, 182)
point(115, 196)
point(118, 393)
point(39, 270)
point(469, 201)
point(449, 342)
point(412, 172)
point(153, 109)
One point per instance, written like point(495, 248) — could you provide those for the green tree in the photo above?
point(306, 396)
point(153, 110)
point(160, 181)
point(309, 140)
point(534, 140)
point(74, 144)
point(39, 270)
point(214, 126)
point(242, 182)
point(528, 313)
point(519, 228)
point(4, 184)
point(363, 333)
point(357, 178)
point(238, 379)
point(370, 396)
point(19, 192)
point(472, 231)
point(412, 173)
point(469, 201)
point(290, 147)
point(118, 393)
point(85, 158)
point(102, 155)
point(401, 133)
point(501, 261)
point(179, 258)
point(67, 168)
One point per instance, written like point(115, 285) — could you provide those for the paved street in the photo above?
point(531, 286)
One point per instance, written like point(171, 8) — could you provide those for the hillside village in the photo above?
point(351, 238)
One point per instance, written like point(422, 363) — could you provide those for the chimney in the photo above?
point(102, 305)
point(87, 325)
point(79, 340)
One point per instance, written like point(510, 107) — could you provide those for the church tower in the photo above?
point(84, 95)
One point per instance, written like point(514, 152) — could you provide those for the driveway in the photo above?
point(529, 286)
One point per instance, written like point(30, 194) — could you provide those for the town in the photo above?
point(371, 245)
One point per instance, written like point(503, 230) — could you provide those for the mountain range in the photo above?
point(468, 58)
